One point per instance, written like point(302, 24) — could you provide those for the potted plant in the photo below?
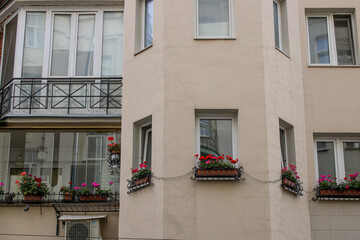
point(83, 192)
point(290, 177)
point(100, 194)
point(141, 176)
point(216, 167)
point(67, 193)
point(113, 147)
point(32, 188)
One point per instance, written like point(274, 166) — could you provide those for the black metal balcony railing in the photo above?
point(55, 96)
point(18, 200)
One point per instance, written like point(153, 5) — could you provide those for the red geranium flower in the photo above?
point(70, 183)
point(202, 158)
point(110, 138)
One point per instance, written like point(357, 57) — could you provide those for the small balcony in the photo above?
point(74, 97)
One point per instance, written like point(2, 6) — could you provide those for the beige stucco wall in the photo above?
point(332, 106)
point(179, 75)
point(16, 224)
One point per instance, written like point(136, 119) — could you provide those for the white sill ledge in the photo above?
point(333, 66)
point(214, 38)
point(286, 55)
point(142, 50)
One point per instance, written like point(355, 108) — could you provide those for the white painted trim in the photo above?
point(279, 24)
point(215, 116)
point(331, 39)
point(141, 143)
point(286, 149)
point(147, 132)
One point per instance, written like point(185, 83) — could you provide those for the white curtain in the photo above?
point(214, 18)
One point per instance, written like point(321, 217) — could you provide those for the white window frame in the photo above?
point(144, 144)
point(279, 24)
point(331, 39)
point(234, 130)
point(48, 35)
point(338, 155)
point(232, 30)
point(286, 149)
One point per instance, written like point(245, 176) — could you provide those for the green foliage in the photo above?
point(141, 174)
point(34, 186)
point(213, 162)
point(327, 182)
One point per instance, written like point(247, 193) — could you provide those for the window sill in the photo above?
point(283, 53)
point(142, 50)
point(214, 38)
point(333, 66)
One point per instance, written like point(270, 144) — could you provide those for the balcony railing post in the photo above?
point(31, 94)
point(69, 94)
point(107, 96)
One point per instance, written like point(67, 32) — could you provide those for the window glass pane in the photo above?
point(112, 49)
point(39, 149)
point(351, 157)
point(344, 42)
point(4, 159)
point(216, 137)
point(149, 17)
point(61, 45)
point(318, 40)
point(283, 146)
point(34, 45)
point(214, 18)
point(85, 45)
point(9, 52)
point(276, 24)
point(326, 158)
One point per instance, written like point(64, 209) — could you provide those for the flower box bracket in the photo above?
point(337, 195)
point(291, 186)
point(136, 184)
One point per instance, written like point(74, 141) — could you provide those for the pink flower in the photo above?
point(76, 188)
point(111, 183)
point(84, 184)
point(207, 162)
point(347, 187)
point(297, 177)
point(1, 184)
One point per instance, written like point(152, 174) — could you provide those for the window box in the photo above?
point(138, 183)
point(218, 174)
point(216, 168)
point(93, 198)
point(68, 197)
point(30, 198)
point(290, 180)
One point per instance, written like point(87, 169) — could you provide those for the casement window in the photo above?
point(331, 39)
point(214, 19)
point(216, 135)
point(56, 156)
point(142, 142)
point(146, 143)
point(337, 157)
point(144, 24)
point(287, 144)
point(281, 26)
point(63, 43)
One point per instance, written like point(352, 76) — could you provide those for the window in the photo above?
point(63, 43)
point(142, 142)
point(337, 157)
point(287, 144)
point(56, 156)
point(8, 56)
point(214, 19)
point(281, 26)
point(216, 135)
point(331, 39)
point(144, 24)
point(146, 143)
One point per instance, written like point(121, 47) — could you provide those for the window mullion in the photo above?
point(340, 160)
point(332, 41)
point(47, 44)
point(73, 42)
point(98, 43)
